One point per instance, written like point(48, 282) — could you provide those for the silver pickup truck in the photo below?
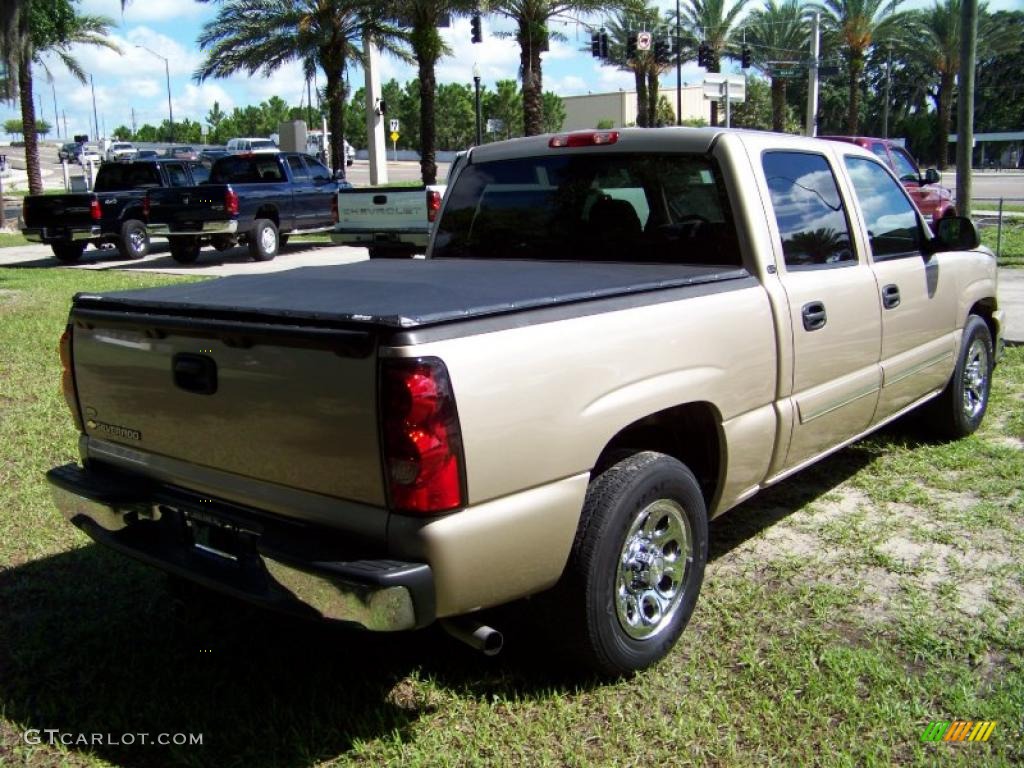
point(616, 336)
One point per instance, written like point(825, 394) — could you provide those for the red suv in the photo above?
point(931, 198)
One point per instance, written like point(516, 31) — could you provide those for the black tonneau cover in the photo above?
point(405, 294)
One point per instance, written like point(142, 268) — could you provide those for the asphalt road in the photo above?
point(990, 184)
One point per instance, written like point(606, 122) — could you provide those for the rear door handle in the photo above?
point(891, 296)
point(814, 316)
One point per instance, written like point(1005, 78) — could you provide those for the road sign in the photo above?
point(494, 125)
point(643, 41)
point(714, 85)
point(394, 125)
point(786, 69)
point(394, 135)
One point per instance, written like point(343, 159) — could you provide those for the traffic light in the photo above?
point(631, 46)
point(745, 57)
point(604, 44)
point(477, 30)
point(595, 45)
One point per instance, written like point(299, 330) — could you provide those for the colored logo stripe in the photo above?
point(958, 730)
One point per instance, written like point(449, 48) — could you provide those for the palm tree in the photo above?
point(54, 26)
point(423, 16)
point(777, 32)
point(714, 23)
point(531, 18)
point(856, 25)
point(261, 35)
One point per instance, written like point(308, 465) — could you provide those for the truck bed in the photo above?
point(407, 294)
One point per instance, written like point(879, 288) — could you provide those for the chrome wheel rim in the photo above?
point(268, 239)
point(137, 240)
point(975, 380)
point(654, 563)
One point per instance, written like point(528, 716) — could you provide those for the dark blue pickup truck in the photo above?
point(258, 199)
point(109, 215)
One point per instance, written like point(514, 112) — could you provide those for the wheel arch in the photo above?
point(986, 309)
point(269, 212)
point(690, 432)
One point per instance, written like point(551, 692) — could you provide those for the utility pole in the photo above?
point(95, 118)
point(811, 125)
point(888, 84)
point(56, 114)
point(134, 125)
point(679, 70)
point(965, 104)
point(65, 116)
point(476, 90)
point(375, 110)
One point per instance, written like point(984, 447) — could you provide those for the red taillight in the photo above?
point(67, 378)
point(145, 207)
point(94, 210)
point(423, 460)
point(231, 201)
point(584, 139)
point(433, 204)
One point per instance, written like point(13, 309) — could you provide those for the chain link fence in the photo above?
point(1000, 221)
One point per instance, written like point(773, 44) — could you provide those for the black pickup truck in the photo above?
point(259, 199)
point(110, 214)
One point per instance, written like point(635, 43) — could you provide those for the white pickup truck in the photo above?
point(392, 222)
point(615, 337)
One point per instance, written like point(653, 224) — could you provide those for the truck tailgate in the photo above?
point(185, 206)
point(290, 405)
point(382, 208)
point(54, 211)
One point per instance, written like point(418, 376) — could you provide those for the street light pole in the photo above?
point(476, 87)
point(95, 119)
point(167, 71)
point(679, 70)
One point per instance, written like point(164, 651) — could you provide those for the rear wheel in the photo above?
point(184, 250)
point(134, 241)
point(68, 253)
point(636, 565)
point(264, 241)
point(958, 411)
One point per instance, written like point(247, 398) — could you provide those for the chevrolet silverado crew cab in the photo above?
point(259, 198)
point(615, 336)
point(111, 214)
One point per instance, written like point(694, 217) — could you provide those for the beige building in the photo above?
point(620, 107)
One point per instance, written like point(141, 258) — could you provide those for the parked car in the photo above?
point(615, 337)
point(122, 150)
point(925, 189)
point(251, 145)
point(147, 154)
point(182, 153)
point(112, 213)
point(209, 155)
point(392, 222)
point(350, 153)
point(256, 198)
point(68, 152)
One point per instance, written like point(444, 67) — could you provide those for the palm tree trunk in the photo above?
point(652, 98)
point(428, 135)
point(28, 124)
point(529, 62)
point(641, 96)
point(336, 115)
point(778, 104)
point(945, 117)
point(853, 116)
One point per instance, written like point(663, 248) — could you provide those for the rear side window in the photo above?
point(894, 229)
point(808, 209)
point(616, 207)
point(176, 175)
point(238, 169)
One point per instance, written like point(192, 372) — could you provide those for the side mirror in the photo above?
point(931, 176)
point(955, 233)
point(338, 175)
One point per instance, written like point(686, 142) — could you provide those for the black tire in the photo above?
point(264, 242)
point(391, 253)
point(649, 505)
point(959, 410)
point(184, 250)
point(68, 253)
point(134, 240)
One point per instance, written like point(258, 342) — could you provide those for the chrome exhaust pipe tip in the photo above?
point(487, 640)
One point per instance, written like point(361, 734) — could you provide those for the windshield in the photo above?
point(115, 177)
point(660, 208)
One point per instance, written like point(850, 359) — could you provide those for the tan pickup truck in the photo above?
point(616, 336)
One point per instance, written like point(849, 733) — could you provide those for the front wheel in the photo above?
point(263, 240)
point(184, 250)
point(134, 241)
point(636, 566)
point(958, 411)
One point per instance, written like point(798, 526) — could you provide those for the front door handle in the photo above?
point(891, 296)
point(814, 316)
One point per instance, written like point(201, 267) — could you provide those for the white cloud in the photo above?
point(148, 10)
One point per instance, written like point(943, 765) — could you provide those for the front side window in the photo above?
point(591, 206)
point(176, 175)
point(318, 170)
point(893, 226)
point(904, 166)
point(299, 172)
point(808, 210)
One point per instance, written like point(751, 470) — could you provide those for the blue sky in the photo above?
point(136, 78)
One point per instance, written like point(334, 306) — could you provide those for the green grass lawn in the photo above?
point(843, 610)
point(10, 239)
point(1011, 250)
